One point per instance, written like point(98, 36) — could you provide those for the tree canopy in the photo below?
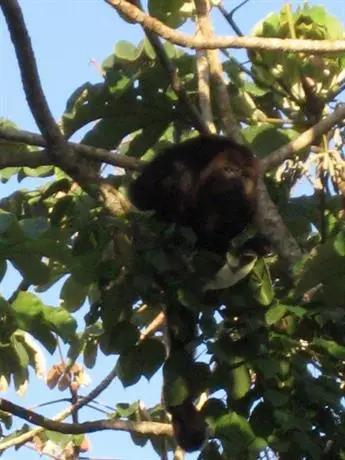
point(271, 339)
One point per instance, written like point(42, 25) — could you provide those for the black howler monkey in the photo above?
point(207, 183)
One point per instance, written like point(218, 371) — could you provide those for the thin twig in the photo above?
point(21, 439)
point(229, 16)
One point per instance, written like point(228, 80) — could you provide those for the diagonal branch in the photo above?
point(304, 140)
point(258, 43)
point(268, 219)
point(31, 82)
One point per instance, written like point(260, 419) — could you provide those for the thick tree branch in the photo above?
point(257, 43)
point(57, 147)
point(283, 153)
point(229, 122)
point(39, 158)
point(56, 144)
point(203, 77)
point(204, 91)
point(268, 220)
point(148, 428)
point(271, 225)
point(12, 159)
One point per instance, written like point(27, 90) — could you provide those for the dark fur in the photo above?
point(207, 183)
point(200, 184)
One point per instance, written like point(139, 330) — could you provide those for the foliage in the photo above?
point(271, 343)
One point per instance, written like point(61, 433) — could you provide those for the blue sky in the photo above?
point(66, 36)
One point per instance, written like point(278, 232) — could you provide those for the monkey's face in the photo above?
point(230, 172)
point(225, 200)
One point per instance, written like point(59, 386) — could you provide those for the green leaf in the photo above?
point(269, 366)
point(41, 171)
point(235, 429)
point(264, 138)
point(339, 243)
point(34, 227)
point(274, 314)
point(73, 294)
point(152, 353)
point(33, 270)
point(86, 104)
point(322, 265)
point(20, 351)
point(239, 379)
point(122, 336)
point(169, 11)
point(64, 207)
point(35, 317)
point(128, 367)
point(20, 376)
point(90, 353)
point(126, 50)
point(126, 410)
point(6, 220)
point(260, 281)
point(289, 421)
point(7, 173)
point(76, 346)
point(175, 391)
point(333, 348)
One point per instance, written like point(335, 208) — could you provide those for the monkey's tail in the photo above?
point(189, 426)
point(188, 423)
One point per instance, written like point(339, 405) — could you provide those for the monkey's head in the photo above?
point(234, 168)
point(207, 183)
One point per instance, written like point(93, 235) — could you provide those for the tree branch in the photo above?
point(38, 158)
point(148, 428)
point(56, 144)
point(57, 147)
point(267, 217)
point(283, 153)
point(257, 43)
point(21, 439)
point(272, 226)
point(228, 119)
